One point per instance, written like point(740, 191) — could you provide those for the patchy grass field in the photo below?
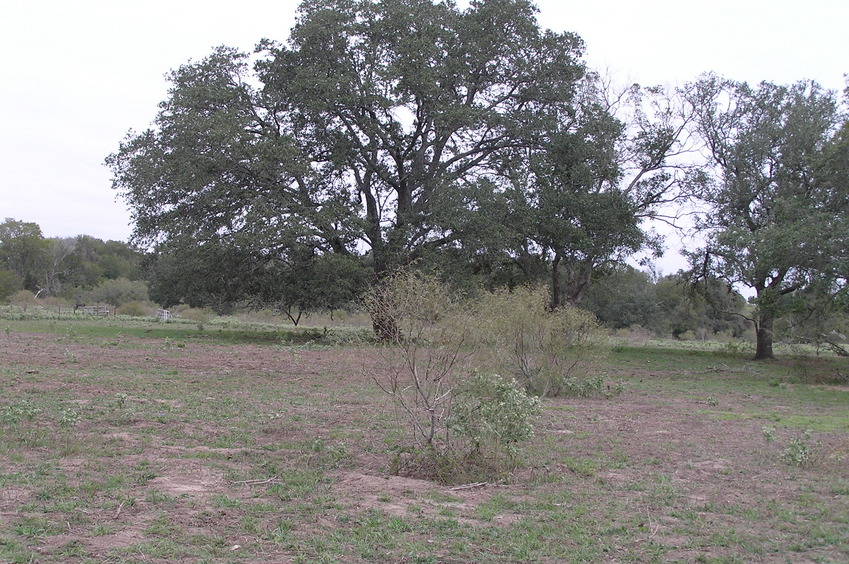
point(129, 442)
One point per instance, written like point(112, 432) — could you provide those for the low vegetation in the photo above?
point(127, 440)
point(464, 374)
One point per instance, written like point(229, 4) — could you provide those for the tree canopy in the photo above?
point(382, 130)
point(346, 137)
point(779, 203)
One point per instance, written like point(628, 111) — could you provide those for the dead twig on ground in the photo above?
point(469, 486)
point(257, 482)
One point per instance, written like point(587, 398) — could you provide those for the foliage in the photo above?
point(66, 267)
point(493, 415)
point(23, 299)
point(579, 201)
point(777, 210)
point(119, 292)
point(383, 127)
point(625, 297)
point(191, 313)
point(800, 451)
point(16, 412)
point(549, 352)
point(221, 276)
point(9, 283)
point(459, 424)
point(23, 250)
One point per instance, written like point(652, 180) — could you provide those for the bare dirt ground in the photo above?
point(125, 449)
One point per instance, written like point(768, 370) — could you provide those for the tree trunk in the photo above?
point(383, 322)
point(556, 283)
point(763, 328)
point(569, 281)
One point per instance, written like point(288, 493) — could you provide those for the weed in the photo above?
point(281, 533)
point(74, 549)
point(37, 527)
point(69, 418)
point(493, 415)
point(498, 503)
point(225, 501)
point(328, 455)
point(161, 527)
point(155, 496)
point(101, 530)
point(800, 451)
point(581, 466)
point(121, 400)
point(144, 473)
point(70, 357)
point(769, 433)
point(23, 410)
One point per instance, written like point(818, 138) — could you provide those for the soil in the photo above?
point(652, 454)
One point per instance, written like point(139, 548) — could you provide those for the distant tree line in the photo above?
point(672, 305)
point(76, 269)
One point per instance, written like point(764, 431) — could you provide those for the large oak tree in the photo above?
point(396, 130)
point(345, 137)
point(778, 214)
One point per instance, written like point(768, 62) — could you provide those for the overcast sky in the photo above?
point(77, 75)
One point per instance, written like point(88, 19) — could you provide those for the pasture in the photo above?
point(130, 441)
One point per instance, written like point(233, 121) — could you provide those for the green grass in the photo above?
point(113, 331)
point(164, 456)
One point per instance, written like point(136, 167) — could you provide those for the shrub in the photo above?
point(428, 330)
point(800, 451)
point(192, 313)
point(493, 415)
point(462, 422)
point(119, 292)
point(135, 309)
point(23, 299)
point(550, 353)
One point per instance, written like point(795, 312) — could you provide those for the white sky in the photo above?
point(77, 75)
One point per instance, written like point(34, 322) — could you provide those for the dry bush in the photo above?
point(197, 314)
point(441, 367)
point(550, 353)
point(137, 309)
point(23, 299)
point(425, 353)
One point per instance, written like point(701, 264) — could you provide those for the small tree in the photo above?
point(425, 354)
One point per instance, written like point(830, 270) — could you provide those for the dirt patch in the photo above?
point(182, 453)
point(195, 480)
